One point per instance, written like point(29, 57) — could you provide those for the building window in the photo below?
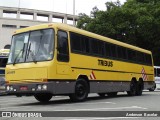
point(9, 26)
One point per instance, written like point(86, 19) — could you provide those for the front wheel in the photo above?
point(81, 91)
point(45, 97)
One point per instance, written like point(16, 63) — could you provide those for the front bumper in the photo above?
point(54, 87)
point(25, 89)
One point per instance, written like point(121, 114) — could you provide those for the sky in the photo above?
point(62, 6)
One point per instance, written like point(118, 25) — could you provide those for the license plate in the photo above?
point(23, 88)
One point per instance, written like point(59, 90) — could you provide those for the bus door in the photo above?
point(63, 66)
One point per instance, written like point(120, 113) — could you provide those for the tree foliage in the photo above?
point(137, 22)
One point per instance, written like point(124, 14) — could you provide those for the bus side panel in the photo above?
point(100, 87)
point(109, 78)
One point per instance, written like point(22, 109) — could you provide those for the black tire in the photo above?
point(112, 94)
point(152, 88)
point(81, 91)
point(133, 88)
point(102, 94)
point(45, 97)
point(139, 88)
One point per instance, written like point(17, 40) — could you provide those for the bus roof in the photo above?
point(79, 31)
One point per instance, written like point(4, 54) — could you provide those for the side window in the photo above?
point(76, 42)
point(86, 45)
point(62, 47)
point(140, 57)
point(97, 47)
point(110, 50)
point(113, 50)
point(148, 59)
point(79, 43)
point(121, 52)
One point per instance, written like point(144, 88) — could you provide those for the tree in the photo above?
point(137, 22)
point(83, 21)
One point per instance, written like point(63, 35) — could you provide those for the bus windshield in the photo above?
point(32, 46)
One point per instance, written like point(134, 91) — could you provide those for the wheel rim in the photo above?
point(80, 90)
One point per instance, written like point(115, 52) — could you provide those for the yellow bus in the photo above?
point(3, 61)
point(57, 59)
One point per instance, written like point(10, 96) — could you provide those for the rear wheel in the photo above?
point(133, 88)
point(45, 97)
point(81, 91)
point(112, 94)
point(139, 88)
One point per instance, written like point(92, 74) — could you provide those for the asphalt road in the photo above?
point(94, 107)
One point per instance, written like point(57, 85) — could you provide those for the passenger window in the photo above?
point(121, 52)
point(76, 42)
point(113, 50)
point(62, 47)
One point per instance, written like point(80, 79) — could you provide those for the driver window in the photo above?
point(62, 47)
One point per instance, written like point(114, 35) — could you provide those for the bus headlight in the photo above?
point(39, 87)
point(44, 87)
point(8, 88)
point(11, 88)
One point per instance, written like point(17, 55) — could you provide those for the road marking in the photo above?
point(14, 107)
point(96, 109)
point(3, 107)
point(96, 103)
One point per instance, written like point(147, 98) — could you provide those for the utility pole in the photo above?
point(19, 3)
point(74, 22)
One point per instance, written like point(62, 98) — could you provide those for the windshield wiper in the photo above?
point(22, 50)
point(32, 54)
point(17, 56)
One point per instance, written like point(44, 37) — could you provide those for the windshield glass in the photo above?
point(33, 46)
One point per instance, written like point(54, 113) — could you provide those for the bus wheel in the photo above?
point(152, 88)
point(45, 97)
point(102, 94)
point(133, 88)
point(81, 91)
point(139, 88)
point(112, 94)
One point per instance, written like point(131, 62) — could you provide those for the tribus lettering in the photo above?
point(105, 63)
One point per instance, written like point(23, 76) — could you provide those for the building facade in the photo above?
point(15, 18)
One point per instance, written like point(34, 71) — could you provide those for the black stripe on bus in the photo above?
point(108, 70)
point(74, 80)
